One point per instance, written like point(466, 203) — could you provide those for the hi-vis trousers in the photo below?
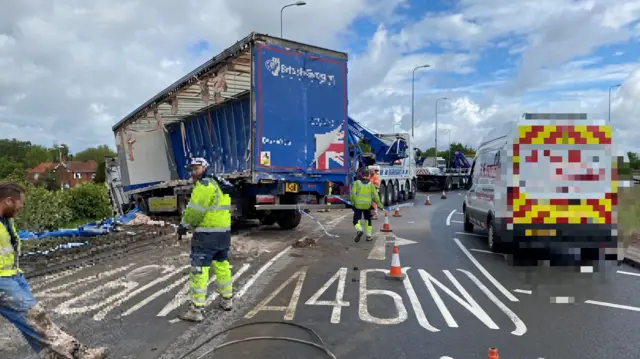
point(209, 250)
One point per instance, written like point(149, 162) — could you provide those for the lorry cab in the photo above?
point(547, 180)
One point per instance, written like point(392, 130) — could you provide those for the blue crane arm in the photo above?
point(460, 161)
point(383, 151)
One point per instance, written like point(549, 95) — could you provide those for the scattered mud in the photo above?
point(305, 243)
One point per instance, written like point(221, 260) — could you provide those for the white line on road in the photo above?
point(415, 303)
point(628, 273)
point(379, 249)
point(454, 221)
point(155, 295)
point(253, 278)
point(562, 300)
point(449, 217)
point(460, 213)
point(473, 234)
point(522, 291)
point(484, 251)
point(611, 305)
point(482, 270)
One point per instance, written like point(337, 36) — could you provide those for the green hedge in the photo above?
point(51, 210)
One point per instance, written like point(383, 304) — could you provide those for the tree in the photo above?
point(94, 154)
point(100, 175)
point(634, 160)
point(364, 146)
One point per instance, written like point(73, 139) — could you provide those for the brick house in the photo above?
point(67, 174)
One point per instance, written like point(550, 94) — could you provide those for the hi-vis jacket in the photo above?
point(209, 210)
point(362, 195)
point(9, 250)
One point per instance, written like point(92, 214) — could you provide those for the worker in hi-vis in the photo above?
point(208, 216)
point(375, 179)
point(17, 304)
point(363, 194)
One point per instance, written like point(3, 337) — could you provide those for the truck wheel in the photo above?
point(268, 220)
point(288, 219)
point(412, 189)
point(387, 196)
point(394, 192)
point(447, 184)
point(383, 194)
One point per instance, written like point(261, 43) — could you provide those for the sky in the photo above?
point(70, 69)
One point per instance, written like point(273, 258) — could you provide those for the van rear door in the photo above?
point(562, 174)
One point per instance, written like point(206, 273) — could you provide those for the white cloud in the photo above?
point(72, 69)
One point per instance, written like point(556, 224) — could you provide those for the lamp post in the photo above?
point(435, 156)
point(449, 151)
point(611, 88)
point(413, 83)
point(297, 3)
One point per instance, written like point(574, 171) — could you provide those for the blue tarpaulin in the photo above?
point(91, 229)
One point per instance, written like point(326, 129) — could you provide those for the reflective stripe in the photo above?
point(223, 284)
point(220, 208)
point(198, 290)
point(196, 207)
point(225, 293)
point(213, 229)
point(6, 250)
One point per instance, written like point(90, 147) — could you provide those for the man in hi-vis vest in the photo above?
point(208, 216)
point(17, 304)
point(363, 194)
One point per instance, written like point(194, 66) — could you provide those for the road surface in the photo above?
point(456, 302)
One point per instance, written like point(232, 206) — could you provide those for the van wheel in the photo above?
point(493, 241)
point(468, 226)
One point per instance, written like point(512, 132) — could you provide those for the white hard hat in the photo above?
point(199, 161)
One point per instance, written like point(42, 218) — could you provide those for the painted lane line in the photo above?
point(103, 313)
point(449, 217)
point(482, 270)
point(261, 270)
point(454, 221)
point(379, 249)
point(43, 281)
point(522, 291)
point(57, 291)
point(155, 295)
point(473, 234)
point(460, 213)
point(484, 251)
point(628, 273)
point(586, 269)
point(612, 305)
point(562, 300)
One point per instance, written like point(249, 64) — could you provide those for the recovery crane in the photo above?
point(455, 176)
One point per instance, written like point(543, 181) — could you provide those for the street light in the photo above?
point(435, 156)
point(448, 151)
point(413, 82)
point(611, 88)
point(297, 3)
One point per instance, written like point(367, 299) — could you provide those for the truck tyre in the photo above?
point(383, 193)
point(387, 194)
point(268, 220)
point(288, 219)
point(447, 184)
point(394, 192)
point(412, 189)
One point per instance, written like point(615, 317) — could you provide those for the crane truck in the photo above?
point(270, 116)
point(441, 176)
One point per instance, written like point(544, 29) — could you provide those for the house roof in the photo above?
point(73, 166)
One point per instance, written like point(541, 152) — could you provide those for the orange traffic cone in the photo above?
point(386, 227)
point(493, 353)
point(396, 271)
point(397, 213)
point(428, 201)
point(444, 195)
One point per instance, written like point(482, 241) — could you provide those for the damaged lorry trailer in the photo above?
point(268, 114)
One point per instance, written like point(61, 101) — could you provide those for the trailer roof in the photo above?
point(226, 76)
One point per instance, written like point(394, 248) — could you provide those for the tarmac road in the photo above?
point(458, 300)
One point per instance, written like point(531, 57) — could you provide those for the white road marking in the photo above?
point(522, 291)
point(482, 270)
point(43, 281)
point(103, 313)
point(628, 273)
point(55, 292)
point(473, 234)
point(460, 213)
point(379, 249)
point(484, 251)
point(470, 304)
point(449, 217)
point(401, 241)
point(562, 300)
point(363, 310)
point(180, 298)
point(521, 328)
point(234, 279)
point(261, 270)
point(411, 222)
point(586, 269)
point(338, 303)
point(415, 303)
point(155, 295)
point(454, 221)
point(289, 310)
point(611, 305)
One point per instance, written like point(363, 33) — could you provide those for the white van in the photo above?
point(545, 180)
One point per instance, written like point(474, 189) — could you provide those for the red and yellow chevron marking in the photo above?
point(564, 135)
point(559, 211)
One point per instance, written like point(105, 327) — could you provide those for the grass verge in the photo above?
point(629, 215)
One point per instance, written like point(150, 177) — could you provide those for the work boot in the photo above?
point(193, 314)
point(358, 236)
point(91, 353)
point(226, 303)
point(369, 238)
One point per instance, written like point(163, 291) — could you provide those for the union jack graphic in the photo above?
point(334, 149)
